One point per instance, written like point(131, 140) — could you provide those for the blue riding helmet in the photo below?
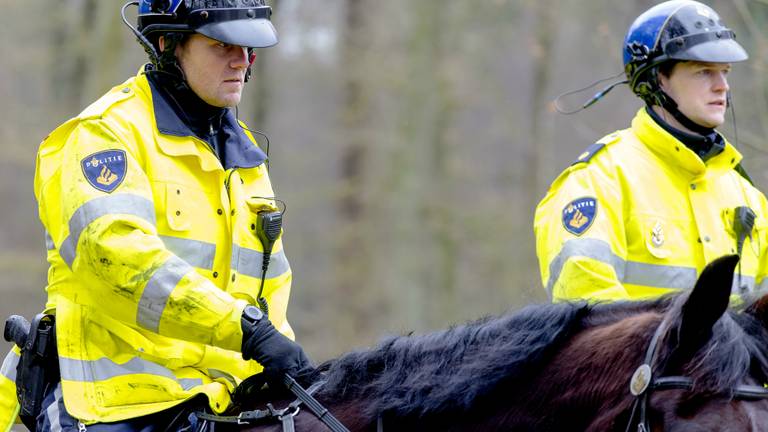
point(244, 23)
point(684, 30)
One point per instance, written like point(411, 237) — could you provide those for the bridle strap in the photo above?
point(642, 380)
point(750, 392)
point(285, 415)
point(643, 383)
point(245, 417)
point(743, 391)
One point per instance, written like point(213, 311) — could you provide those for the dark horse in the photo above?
point(564, 367)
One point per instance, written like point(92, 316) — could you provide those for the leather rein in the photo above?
point(285, 415)
point(643, 382)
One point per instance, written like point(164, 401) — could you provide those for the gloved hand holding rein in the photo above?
point(272, 349)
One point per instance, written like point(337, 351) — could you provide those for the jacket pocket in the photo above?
point(179, 202)
point(260, 204)
point(652, 237)
point(257, 205)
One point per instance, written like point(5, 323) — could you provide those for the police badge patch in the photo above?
point(579, 214)
point(105, 170)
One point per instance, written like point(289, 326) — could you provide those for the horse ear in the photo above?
point(707, 302)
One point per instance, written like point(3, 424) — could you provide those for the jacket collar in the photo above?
point(706, 145)
point(674, 152)
point(238, 150)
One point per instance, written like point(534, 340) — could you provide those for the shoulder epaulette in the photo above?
point(590, 152)
point(98, 108)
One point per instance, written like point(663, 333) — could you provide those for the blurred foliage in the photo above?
point(410, 140)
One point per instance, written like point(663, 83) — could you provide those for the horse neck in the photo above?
point(587, 381)
point(583, 382)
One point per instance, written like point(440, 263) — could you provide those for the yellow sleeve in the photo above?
point(760, 240)
point(580, 238)
point(97, 205)
point(9, 403)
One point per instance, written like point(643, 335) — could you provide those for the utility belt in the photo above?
point(38, 368)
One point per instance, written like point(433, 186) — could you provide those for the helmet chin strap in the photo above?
point(167, 60)
point(669, 104)
point(168, 64)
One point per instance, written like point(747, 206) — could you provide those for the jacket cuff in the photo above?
point(229, 333)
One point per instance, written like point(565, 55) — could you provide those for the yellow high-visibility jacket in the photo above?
point(153, 256)
point(640, 214)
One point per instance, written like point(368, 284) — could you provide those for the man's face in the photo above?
point(215, 71)
point(700, 90)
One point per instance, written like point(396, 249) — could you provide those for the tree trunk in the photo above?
point(352, 252)
point(542, 59)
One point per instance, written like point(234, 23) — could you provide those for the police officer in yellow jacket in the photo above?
point(643, 210)
point(151, 200)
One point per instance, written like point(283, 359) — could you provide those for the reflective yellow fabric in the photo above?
point(662, 214)
point(9, 405)
point(149, 280)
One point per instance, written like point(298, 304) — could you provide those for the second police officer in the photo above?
point(643, 210)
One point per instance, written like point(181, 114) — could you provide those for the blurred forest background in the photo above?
point(411, 141)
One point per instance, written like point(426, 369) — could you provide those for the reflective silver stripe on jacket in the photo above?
point(9, 366)
point(123, 204)
point(248, 262)
point(659, 276)
point(216, 373)
point(627, 272)
point(49, 244)
point(104, 369)
point(158, 290)
point(197, 253)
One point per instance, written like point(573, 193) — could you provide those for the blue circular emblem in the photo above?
point(579, 214)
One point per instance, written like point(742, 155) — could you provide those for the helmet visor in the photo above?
point(712, 47)
point(249, 28)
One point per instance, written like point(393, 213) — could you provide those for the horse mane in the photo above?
point(450, 370)
point(454, 369)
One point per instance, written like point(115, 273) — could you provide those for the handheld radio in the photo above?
point(268, 226)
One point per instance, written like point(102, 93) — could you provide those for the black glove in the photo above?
point(272, 349)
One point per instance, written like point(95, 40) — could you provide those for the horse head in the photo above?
point(704, 366)
point(718, 359)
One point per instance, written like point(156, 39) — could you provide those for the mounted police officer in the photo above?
point(642, 211)
point(151, 199)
